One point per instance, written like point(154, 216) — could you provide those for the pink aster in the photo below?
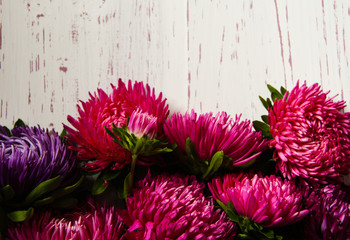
point(211, 134)
point(310, 135)
point(269, 201)
point(174, 207)
point(143, 124)
point(92, 222)
point(94, 146)
point(330, 214)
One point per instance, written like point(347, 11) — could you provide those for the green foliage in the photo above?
point(143, 146)
point(20, 215)
point(63, 135)
point(6, 193)
point(19, 123)
point(103, 180)
point(43, 188)
point(205, 169)
point(263, 125)
point(275, 95)
point(249, 229)
point(46, 193)
point(128, 182)
point(7, 131)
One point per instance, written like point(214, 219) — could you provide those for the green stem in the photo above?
point(132, 170)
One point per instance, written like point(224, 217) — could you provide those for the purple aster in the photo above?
point(330, 213)
point(91, 222)
point(32, 155)
point(174, 207)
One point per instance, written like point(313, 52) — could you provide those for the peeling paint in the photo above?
point(52, 101)
point(281, 42)
point(29, 95)
point(196, 53)
point(75, 34)
point(63, 69)
point(0, 36)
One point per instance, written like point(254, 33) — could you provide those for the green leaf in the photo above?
point(42, 202)
point(43, 188)
point(102, 181)
point(63, 135)
point(283, 90)
point(99, 186)
point(191, 149)
point(67, 190)
point(20, 216)
point(265, 119)
point(269, 103)
point(6, 193)
point(7, 131)
point(127, 184)
point(263, 127)
point(214, 165)
point(263, 101)
point(222, 205)
point(109, 132)
point(275, 94)
point(243, 236)
point(122, 137)
point(19, 123)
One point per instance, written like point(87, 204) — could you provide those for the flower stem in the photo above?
point(132, 170)
point(129, 179)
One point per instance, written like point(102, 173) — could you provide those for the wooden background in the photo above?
point(204, 55)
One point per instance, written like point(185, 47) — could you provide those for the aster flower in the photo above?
point(310, 135)
point(92, 222)
point(267, 201)
point(174, 207)
point(142, 124)
point(204, 136)
point(36, 169)
point(95, 147)
point(139, 138)
point(330, 213)
point(32, 155)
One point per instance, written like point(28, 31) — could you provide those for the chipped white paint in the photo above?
point(206, 55)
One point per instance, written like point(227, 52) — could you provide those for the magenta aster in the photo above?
point(330, 215)
point(93, 222)
point(268, 201)
point(143, 124)
point(95, 147)
point(310, 135)
point(211, 134)
point(174, 207)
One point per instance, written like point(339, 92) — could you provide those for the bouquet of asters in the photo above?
point(125, 169)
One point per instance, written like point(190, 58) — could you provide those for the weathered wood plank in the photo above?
point(203, 55)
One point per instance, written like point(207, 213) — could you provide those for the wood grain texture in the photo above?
point(203, 55)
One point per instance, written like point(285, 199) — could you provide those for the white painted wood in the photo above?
point(206, 55)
